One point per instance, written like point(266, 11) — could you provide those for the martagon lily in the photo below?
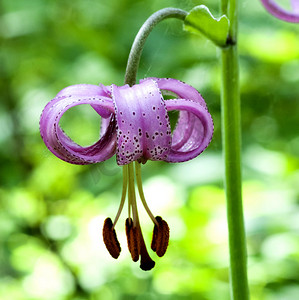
point(280, 13)
point(135, 125)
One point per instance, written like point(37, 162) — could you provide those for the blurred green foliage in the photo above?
point(51, 213)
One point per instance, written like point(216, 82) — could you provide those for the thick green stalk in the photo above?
point(231, 139)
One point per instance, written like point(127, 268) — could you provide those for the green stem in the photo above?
point(224, 7)
point(231, 139)
point(140, 39)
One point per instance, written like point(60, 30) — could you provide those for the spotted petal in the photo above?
point(61, 145)
point(189, 130)
point(186, 121)
point(143, 125)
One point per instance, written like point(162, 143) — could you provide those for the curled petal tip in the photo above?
point(197, 132)
point(61, 145)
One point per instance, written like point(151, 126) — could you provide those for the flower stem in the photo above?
point(231, 139)
point(140, 39)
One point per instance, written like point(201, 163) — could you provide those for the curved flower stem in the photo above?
point(140, 39)
point(231, 138)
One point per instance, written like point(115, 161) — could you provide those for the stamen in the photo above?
point(123, 195)
point(110, 239)
point(160, 237)
point(146, 262)
point(140, 190)
point(133, 239)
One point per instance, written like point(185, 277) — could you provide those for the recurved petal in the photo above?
point(295, 6)
point(86, 91)
point(186, 121)
point(201, 130)
point(179, 88)
point(62, 146)
point(143, 125)
point(277, 11)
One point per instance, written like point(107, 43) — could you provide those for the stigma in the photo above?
point(135, 240)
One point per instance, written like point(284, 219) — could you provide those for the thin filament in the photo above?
point(140, 190)
point(123, 195)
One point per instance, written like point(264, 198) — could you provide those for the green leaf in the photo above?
point(200, 20)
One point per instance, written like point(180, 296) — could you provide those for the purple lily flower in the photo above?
point(281, 13)
point(135, 126)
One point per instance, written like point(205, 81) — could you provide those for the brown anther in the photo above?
point(160, 237)
point(110, 239)
point(133, 239)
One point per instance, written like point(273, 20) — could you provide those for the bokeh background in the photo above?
point(51, 213)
